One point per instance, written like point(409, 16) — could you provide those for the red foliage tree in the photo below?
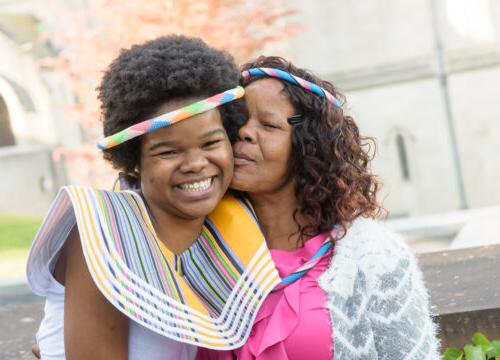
point(89, 36)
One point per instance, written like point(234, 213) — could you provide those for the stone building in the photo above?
point(31, 120)
point(384, 56)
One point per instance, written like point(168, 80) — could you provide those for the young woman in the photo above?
point(352, 289)
point(145, 274)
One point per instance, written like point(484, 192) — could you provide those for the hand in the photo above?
point(35, 349)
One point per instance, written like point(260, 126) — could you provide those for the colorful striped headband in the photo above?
point(170, 118)
point(292, 79)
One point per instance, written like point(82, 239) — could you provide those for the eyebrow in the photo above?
point(213, 132)
point(169, 143)
point(271, 113)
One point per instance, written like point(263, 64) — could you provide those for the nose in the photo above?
point(194, 162)
point(247, 132)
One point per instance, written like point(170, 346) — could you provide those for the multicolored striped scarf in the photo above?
point(311, 262)
point(207, 296)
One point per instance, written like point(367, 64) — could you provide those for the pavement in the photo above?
point(20, 316)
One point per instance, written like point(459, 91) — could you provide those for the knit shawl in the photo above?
point(378, 304)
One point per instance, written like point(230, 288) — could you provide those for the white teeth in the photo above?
point(197, 186)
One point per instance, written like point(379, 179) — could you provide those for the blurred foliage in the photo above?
point(480, 349)
point(87, 36)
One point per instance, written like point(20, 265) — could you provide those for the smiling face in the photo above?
point(264, 147)
point(185, 169)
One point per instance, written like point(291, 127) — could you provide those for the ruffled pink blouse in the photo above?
point(293, 322)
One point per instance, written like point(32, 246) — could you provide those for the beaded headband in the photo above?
point(292, 79)
point(170, 118)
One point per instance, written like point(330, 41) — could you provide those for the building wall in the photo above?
point(412, 109)
point(29, 179)
point(476, 100)
point(25, 95)
point(383, 56)
point(34, 97)
point(32, 100)
point(342, 36)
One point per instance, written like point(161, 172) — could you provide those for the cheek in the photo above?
point(277, 151)
point(276, 157)
point(157, 173)
point(223, 157)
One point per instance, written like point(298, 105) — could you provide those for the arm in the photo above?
point(93, 327)
point(35, 349)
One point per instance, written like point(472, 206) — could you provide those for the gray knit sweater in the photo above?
point(377, 300)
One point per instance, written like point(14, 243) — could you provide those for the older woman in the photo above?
point(351, 289)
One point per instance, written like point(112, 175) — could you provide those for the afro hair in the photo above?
point(145, 76)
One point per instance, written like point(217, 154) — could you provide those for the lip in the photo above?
point(197, 195)
point(241, 158)
point(190, 181)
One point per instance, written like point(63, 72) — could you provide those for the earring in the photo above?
point(134, 173)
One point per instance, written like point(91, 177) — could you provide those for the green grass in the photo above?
point(16, 232)
point(13, 264)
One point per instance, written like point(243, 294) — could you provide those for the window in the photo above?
point(6, 135)
point(403, 157)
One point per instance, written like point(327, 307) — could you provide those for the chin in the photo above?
point(200, 209)
point(241, 184)
point(238, 187)
point(192, 214)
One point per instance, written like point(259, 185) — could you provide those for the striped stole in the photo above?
point(207, 296)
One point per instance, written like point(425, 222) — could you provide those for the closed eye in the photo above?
point(270, 125)
point(169, 153)
point(211, 143)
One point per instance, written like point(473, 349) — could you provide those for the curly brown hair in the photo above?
point(330, 159)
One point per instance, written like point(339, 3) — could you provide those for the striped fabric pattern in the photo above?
point(207, 296)
point(309, 264)
point(211, 268)
point(294, 80)
point(170, 118)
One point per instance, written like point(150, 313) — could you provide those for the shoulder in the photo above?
point(374, 237)
point(373, 246)
point(369, 250)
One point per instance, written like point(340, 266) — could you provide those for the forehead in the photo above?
point(191, 128)
point(269, 86)
point(267, 95)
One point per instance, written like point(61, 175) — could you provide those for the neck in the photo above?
point(176, 233)
point(275, 213)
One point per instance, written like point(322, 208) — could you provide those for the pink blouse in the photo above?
point(293, 322)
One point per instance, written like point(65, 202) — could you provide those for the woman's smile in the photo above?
point(197, 189)
point(186, 168)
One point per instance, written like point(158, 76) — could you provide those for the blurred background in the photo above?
point(421, 76)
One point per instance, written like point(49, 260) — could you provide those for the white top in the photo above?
point(142, 342)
